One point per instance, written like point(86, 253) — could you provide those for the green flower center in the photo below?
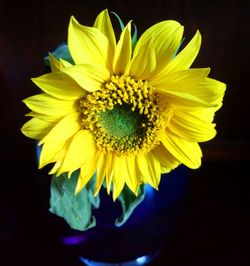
point(124, 116)
point(121, 121)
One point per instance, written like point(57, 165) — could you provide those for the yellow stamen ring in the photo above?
point(124, 116)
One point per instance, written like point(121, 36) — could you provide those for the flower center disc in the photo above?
point(121, 121)
point(124, 116)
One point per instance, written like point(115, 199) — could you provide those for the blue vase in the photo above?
point(141, 238)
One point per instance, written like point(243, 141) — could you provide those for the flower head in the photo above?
point(126, 114)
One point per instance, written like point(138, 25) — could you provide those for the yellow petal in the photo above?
point(50, 119)
point(87, 45)
point(80, 149)
point(142, 165)
point(179, 87)
point(64, 129)
point(110, 171)
point(123, 51)
point(87, 172)
point(118, 178)
point(204, 114)
point(211, 90)
point(185, 58)
point(182, 81)
point(47, 105)
point(55, 168)
point(127, 166)
point(103, 23)
point(149, 168)
point(144, 63)
point(52, 151)
point(54, 63)
point(155, 169)
point(103, 165)
point(166, 37)
point(64, 63)
point(166, 159)
point(188, 153)
point(89, 77)
point(191, 127)
point(193, 82)
point(59, 85)
point(133, 181)
point(36, 128)
point(57, 65)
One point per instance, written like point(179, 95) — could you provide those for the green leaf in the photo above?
point(178, 48)
point(95, 201)
point(129, 202)
point(62, 51)
point(120, 21)
point(134, 38)
point(76, 210)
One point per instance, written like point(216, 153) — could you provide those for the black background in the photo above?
point(213, 228)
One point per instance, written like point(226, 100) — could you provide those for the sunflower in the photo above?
point(124, 114)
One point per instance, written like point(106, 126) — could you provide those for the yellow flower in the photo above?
point(126, 114)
